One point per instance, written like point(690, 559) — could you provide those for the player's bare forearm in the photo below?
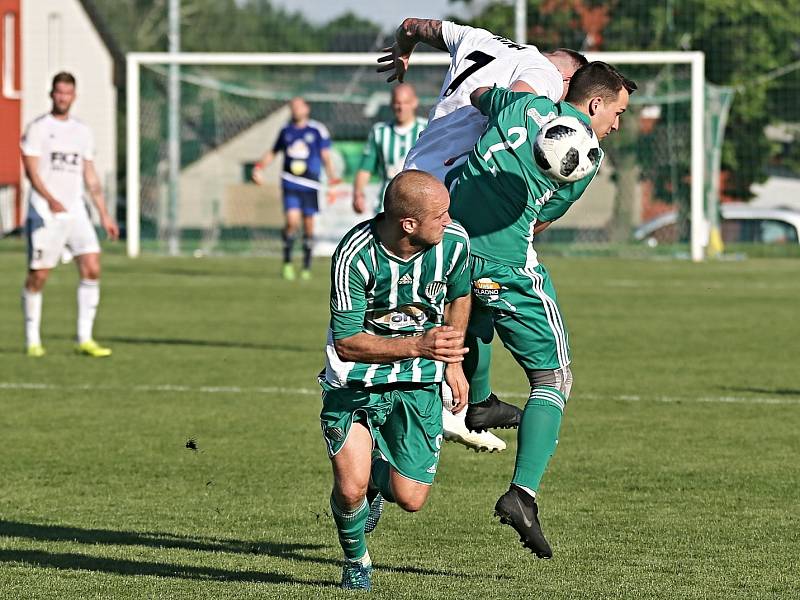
point(326, 159)
point(444, 343)
point(366, 348)
point(456, 313)
point(539, 227)
point(94, 188)
point(359, 184)
point(475, 96)
point(413, 31)
point(31, 165)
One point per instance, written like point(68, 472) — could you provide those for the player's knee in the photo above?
point(36, 280)
point(350, 494)
point(560, 379)
point(413, 499)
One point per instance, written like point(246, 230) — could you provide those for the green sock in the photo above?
point(350, 525)
point(381, 479)
point(538, 435)
point(477, 363)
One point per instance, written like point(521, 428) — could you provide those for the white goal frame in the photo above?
point(696, 60)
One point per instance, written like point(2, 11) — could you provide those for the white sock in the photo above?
point(365, 560)
point(526, 489)
point(88, 299)
point(32, 309)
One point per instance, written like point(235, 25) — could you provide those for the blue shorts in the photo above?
point(304, 200)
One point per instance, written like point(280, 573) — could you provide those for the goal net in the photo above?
point(647, 199)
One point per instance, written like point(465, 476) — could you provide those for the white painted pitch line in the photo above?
point(186, 389)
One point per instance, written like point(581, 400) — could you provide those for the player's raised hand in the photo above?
point(442, 343)
point(396, 61)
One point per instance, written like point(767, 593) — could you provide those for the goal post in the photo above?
point(360, 64)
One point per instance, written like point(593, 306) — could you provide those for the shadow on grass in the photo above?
point(293, 552)
point(156, 341)
point(759, 390)
point(116, 566)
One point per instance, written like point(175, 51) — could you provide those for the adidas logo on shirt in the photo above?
point(405, 280)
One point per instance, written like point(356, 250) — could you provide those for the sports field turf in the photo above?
point(677, 474)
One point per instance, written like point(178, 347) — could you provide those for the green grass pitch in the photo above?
point(677, 473)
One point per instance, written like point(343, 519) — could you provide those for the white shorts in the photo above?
point(49, 238)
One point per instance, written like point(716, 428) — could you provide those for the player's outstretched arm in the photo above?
point(95, 190)
point(410, 33)
point(439, 343)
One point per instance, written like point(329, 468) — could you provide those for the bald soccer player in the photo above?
point(387, 146)
point(400, 301)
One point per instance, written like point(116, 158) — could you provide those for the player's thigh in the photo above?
point(84, 244)
point(352, 464)
point(534, 331)
point(46, 239)
point(309, 203)
point(343, 409)
point(411, 436)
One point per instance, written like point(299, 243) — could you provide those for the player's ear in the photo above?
point(594, 105)
point(409, 225)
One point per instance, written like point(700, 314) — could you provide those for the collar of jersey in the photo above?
point(575, 112)
point(385, 251)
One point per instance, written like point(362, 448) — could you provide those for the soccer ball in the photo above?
point(566, 149)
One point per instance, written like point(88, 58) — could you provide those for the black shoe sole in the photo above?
point(493, 427)
point(505, 519)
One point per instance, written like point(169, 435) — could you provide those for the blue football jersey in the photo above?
point(302, 154)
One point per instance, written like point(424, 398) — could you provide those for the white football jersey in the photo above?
point(479, 58)
point(61, 146)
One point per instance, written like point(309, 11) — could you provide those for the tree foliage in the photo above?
point(743, 40)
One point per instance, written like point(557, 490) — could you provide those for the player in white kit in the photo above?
point(479, 59)
point(58, 155)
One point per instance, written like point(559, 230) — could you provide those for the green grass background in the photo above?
point(677, 473)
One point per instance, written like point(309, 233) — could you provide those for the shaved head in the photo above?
point(415, 210)
point(404, 104)
point(409, 195)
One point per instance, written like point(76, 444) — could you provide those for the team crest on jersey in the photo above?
point(434, 288)
point(309, 137)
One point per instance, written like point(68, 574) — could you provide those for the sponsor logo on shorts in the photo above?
point(432, 469)
point(334, 433)
point(486, 289)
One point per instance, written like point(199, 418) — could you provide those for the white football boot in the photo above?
point(455, 430)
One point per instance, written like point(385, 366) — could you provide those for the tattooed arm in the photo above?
point(408, 35)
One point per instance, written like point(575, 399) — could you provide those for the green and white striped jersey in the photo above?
point(376, 292)
point(386, 150)
point(501, 193)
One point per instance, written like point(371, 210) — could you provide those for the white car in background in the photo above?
point(740, 223)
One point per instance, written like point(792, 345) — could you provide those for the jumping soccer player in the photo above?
point(388, 145)
point(305, 144)
point(479, 58)
point(503, 198)
point(58, 156)
point(400, 300)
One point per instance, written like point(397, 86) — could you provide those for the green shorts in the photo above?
point(405, 422)
point(520, 304)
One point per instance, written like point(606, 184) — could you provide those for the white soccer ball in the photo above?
point(566, 149)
